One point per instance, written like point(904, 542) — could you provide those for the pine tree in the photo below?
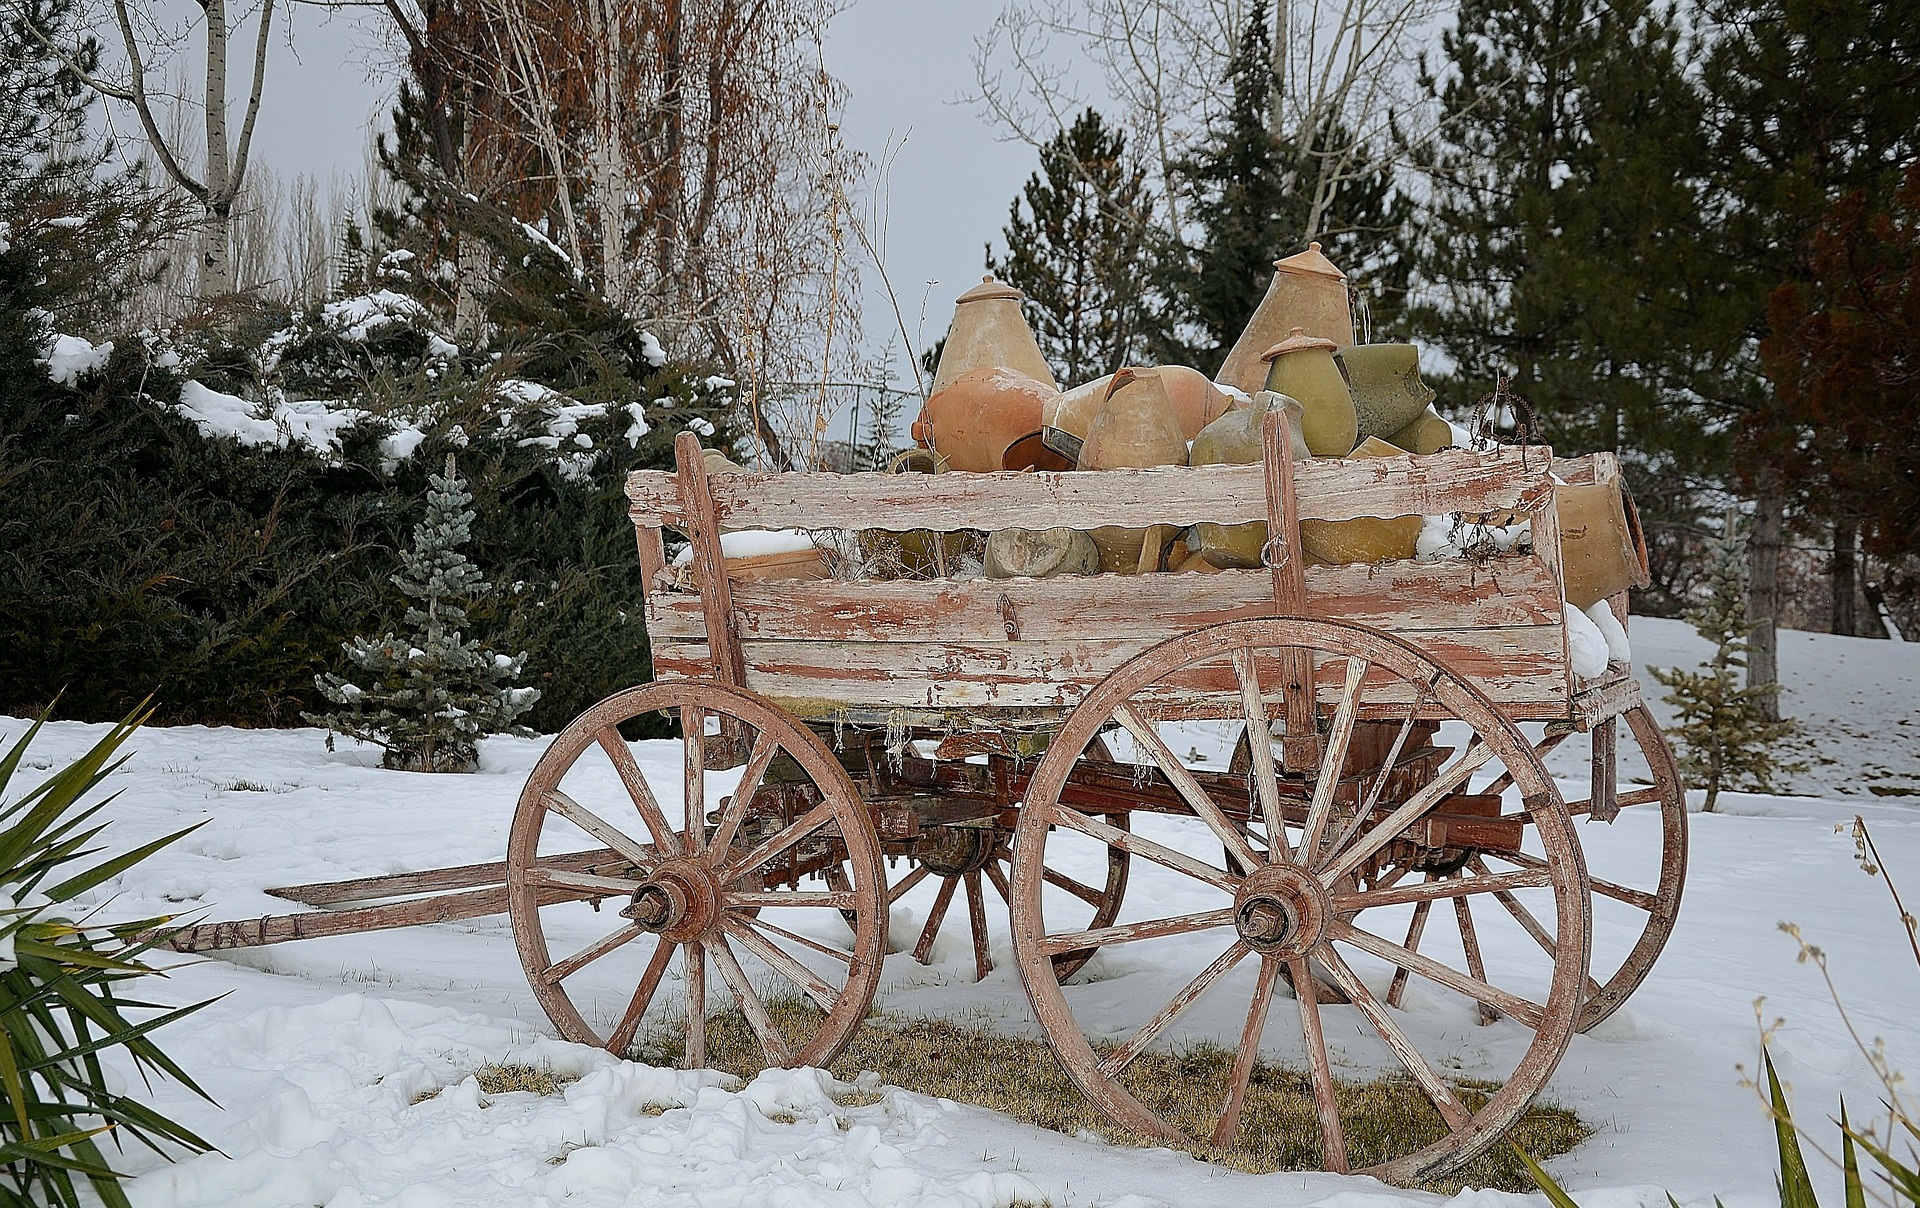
point(1077, 247)
point(1727, 739)
point(1250, 204)
point(435, 692)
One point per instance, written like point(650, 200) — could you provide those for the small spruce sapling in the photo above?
point(1726, 739)
point(435, 693)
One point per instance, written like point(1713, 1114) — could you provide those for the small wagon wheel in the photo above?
point(964, 857)
point(1309, 886)
point(742, 887)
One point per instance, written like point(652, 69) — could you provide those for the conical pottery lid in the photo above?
point(1296, 340)
point(1311, 261)
point(992, 287)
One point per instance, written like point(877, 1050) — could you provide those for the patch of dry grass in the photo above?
point(497, 1078)
point(1020, 1077)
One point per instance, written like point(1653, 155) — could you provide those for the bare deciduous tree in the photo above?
point(216, 183)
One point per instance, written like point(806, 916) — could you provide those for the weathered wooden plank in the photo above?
point(816, 679)
point(1396, 596)
point(402, 884)
point(1453, 480)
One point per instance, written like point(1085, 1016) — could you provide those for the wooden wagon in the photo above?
point(1019, 738)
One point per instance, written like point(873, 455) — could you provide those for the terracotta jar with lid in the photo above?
point(1306, 292)
point(988, 331)
point(973, 421)
point(1302, 367)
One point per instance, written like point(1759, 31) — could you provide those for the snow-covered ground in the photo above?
point(319, 1049)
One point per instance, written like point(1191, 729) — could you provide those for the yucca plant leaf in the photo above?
point(1795, 1184)
point(1850, 1163)
point(119, 1039)
point(1556, 1194)
point(47, 1150)
point(15, 1087)
point(1904, 1178)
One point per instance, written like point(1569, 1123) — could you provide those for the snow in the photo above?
point(1586, 643)
point(650, 348)
point(70, 358)
point(364, 316)
point(750, 543)
point(637, 426)
point(320, 1049)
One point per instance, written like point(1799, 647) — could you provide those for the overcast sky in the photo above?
point(907, 65)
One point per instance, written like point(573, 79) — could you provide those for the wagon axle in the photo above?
point(1281, 910)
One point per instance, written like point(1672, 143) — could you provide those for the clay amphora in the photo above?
point(1302, 366)
point(1384, 380)
point(989, 331)
point(1602, 550)
point(1307, 292)
point(1428, 434)
point(1367, 539)
point(971, 422)
point(1041, 553)
point(1234, 440)
point(1135, 429)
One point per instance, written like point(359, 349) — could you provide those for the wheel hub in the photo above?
point(955, 851)
point(679, 901)
point(1281, 910)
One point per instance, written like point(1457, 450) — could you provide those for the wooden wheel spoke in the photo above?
point(830, 899)
point(1333, 1141)
point(1247, 1054)
point(1556, 734)
point(917, 874)
point(1647, 796)
point(923, 950)
point(695, 968)
point(1415, 929)
point(1476, 988)
point(1086, 893)
point(997, 877)
point(1366, 809)
point(977, 923)
point(693, 746)
point(1147, 849)
point(1470, 945)
point(803, 826)
point(1620, 893)
point(1126, 933)
point(599, 827)
point(1344, 862)
point(1120, 1058)
point(761, 925)
point(1448, 1103)
point(772, 1044)
point(610, 942)
point(1266, 779)
point(1331, 761)
point(764, 749)
point(636, 783)
point(809, 982)
point(1203, 806)
point(1431, 890)
point(623, 1032)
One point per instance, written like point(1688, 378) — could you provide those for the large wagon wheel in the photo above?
point(750, 887)
point(962, 857)
point(1313, 886)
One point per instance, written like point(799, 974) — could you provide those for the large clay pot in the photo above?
point(971, 423)
point(1307, 292)
point(1041, 553)
point(1136, 429)
point(1235, 440)
point(1302, 366)
point(989, 331)
point(1602, 550)
point(1384, 380)
point(1428, 434)
point(1368, 539)
point(1194, 400)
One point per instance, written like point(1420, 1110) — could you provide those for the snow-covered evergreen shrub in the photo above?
point(434, 693)
point(1726, 740)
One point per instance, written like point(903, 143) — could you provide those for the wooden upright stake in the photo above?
point(1300, 749)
